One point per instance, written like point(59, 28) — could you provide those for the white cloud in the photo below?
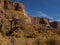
point(41, 14)
point(57, 20)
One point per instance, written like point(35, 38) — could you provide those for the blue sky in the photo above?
point(43, 8)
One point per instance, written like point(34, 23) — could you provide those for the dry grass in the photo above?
point(43, 38)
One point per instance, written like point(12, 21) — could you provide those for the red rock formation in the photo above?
point(12, 8)
point(37, 20)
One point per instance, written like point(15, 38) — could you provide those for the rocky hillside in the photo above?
point(17, 28)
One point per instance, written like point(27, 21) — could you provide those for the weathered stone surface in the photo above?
point(12, 9)
point(43, 21)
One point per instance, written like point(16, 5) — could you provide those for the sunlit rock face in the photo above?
point(9, 9)
point(38, 20)
point(7, 4)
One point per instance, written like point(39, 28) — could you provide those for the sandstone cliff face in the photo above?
point(11, 9)
point(41, 22)
point(7, 4)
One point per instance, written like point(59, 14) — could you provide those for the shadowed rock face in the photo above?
point(55, 24)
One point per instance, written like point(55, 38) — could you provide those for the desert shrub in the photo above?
point(4, 27)
point(18, 33)
point(48, 38)
point(29, 31)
